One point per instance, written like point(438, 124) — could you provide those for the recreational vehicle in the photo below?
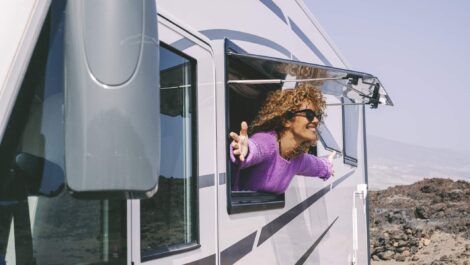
point(114, 123)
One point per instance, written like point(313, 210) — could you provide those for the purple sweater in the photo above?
point(264, 169)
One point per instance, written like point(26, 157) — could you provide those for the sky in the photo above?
point(420, 50)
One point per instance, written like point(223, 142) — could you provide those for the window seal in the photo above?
point(169, 251)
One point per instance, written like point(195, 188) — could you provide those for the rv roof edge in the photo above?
point(22, 34)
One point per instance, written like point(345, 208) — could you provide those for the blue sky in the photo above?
point(420, 50)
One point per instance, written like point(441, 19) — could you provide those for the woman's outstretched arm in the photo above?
point(313, 166)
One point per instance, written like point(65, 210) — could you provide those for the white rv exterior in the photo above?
point(316, 222)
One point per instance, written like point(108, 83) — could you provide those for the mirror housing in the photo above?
point(112, 98)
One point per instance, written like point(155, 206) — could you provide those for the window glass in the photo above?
point(333, 81)
point(168, 220)
point(40, 223)
point(327, 138)
point(351, 131)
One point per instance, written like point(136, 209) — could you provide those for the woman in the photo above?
point(282, 132)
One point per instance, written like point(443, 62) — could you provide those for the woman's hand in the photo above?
point(330, 158)
point(240, 142)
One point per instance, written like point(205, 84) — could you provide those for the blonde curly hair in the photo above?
point(272, 115)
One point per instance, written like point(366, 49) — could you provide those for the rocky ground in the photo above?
point(427, 222)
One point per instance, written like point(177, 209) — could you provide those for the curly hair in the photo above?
point(271, 115)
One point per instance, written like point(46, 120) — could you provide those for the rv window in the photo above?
point(243, 105)
point(351, 131)
point(332, 122)
point(169, 218)
point(250, 79)
point(40, 223)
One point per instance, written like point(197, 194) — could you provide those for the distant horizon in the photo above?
point(467, 152)
point(391, 162)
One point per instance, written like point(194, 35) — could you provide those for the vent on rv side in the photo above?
point(358, 87)
point(112, 98)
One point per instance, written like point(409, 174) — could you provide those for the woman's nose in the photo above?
point(316, 121)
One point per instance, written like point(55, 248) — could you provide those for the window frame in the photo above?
point(252, 201)
point(195, 244)
point(243, 201)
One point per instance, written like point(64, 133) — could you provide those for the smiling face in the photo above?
point(302, 129)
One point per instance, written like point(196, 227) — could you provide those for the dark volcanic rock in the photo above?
point(421, 213)
point(403, 218)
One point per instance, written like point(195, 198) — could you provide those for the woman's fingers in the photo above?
point(331, 156)
point(243, 141)
point(240, 142)
point(234, 136)
point(244, 129)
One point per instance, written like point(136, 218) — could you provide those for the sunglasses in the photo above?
point(309, 114)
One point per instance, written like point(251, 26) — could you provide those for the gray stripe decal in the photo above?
point(275, 225)
point(215, 34)
point(182, 44)
point(209, 260)
point(275, 9)
point(222, 178)
point(206, 181)
point(309, 43)
point(315, 244)
point(338, 181)
point(271, 228)
point(238, 250)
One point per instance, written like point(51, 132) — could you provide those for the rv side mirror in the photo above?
point(112, 101)
point(42, 176)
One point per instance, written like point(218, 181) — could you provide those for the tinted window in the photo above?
point(351, 131)
point(168, 220)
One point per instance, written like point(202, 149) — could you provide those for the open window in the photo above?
point(243, 103)
point(249, 80)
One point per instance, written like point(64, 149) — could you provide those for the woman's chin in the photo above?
point(311, 142)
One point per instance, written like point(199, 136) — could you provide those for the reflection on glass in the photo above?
point(168, 219)
point(327, 138)
point(333, 81)
point(40, 223)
